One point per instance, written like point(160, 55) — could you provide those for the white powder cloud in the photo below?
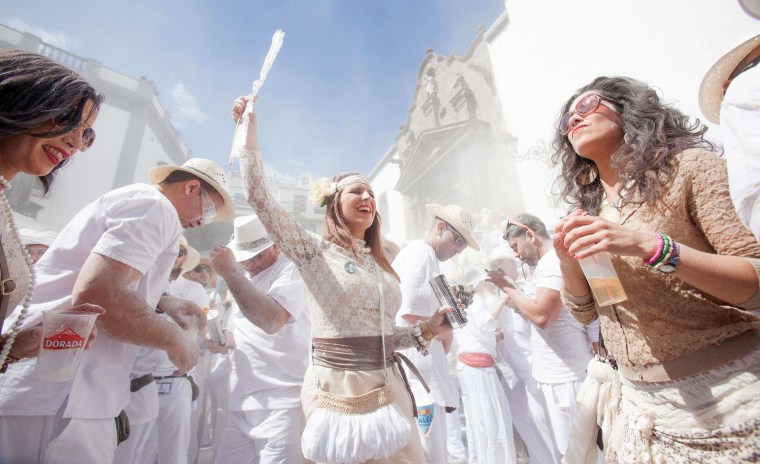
point(185, 107)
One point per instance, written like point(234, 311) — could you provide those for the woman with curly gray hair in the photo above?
point(647, 189)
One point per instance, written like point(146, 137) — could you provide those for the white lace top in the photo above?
point(342, 289)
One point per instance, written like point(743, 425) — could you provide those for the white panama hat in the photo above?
point(458, 218)
point(249, 238)
point(207, 170)
point(37, 237)
point(193, 256)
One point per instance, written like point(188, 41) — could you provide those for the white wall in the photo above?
point(551, 48)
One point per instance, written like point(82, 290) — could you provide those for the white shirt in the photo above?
point(268, 369)
point(740, 130)
point(416, 264)
point(479, 335)
point(560, 352)
point(135, 225)
point(143, 404)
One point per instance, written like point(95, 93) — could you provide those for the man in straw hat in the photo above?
point(271, 328)
point(450, 233)
point(117, 252)
point(730, 96)
point(561, 346)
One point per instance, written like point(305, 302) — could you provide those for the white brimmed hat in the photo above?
point(458, 218)
point(751, 7)
point(193, 256)
point(37, 237)
point(711, 90)
point(204, 169)
point(249, 238)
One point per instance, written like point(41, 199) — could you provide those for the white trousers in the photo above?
point(135, 448)
point(489, 422)
point(266, 436)
point(455, 445)
point(529, 416)
point(560, 405)
point(171, 437)
point(54, 440)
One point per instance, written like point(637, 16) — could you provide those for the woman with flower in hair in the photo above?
point(353, 295)
point(648, 190)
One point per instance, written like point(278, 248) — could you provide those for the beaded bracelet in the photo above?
point(427, 334)
point(665, 250)
point(422, 342)
point(657, 254)
point(667, 255)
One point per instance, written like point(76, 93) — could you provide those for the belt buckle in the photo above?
point(7, 286)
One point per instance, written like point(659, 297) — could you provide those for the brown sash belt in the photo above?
point(363, 354)
point(695, 363)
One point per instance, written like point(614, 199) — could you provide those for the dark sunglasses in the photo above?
point(182, 252)
point(584, 107)
point(88, 133)
point(201, 268)
point(459, 240)
point(510, 224)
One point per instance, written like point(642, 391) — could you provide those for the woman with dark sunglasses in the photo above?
point(46, 116)
point(646, 187)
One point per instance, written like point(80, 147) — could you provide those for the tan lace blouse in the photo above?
point(342, 289)
point(19, 271)
point(665, 318)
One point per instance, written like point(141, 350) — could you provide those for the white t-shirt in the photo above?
point(143, 404)
point(135, 225)
point(561, 352)
point(268, 369)
point(416, 264)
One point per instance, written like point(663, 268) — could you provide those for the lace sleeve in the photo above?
point(403, 338)
point(294, 241)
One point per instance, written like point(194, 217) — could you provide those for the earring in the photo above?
point(628, 139)
point(588, 177)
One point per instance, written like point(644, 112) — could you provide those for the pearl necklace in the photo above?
point(11, 225)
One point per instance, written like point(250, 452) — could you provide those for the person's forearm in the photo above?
point(530, 308)
point(258, 307)
point(129, 319)
point(730, 278)
point(573, 280)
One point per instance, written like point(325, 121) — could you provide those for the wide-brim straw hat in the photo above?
point(193, 256)
point(711, 90)
point(207, 170)
point(249, 238)
point(458, 218)
point(37, 237)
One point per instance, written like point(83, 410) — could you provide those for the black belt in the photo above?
point(139, 382)
point(170, 377)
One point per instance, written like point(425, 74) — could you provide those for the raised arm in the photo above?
point(293, 239)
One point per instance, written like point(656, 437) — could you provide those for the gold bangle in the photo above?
point(427, 334)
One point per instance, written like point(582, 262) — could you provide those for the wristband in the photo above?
point(657, 253)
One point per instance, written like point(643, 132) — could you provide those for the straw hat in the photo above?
point(204, 169)
point(711, 89)
point(249, 238)
point(193, 256)
point(458, 218)
point(37, 237)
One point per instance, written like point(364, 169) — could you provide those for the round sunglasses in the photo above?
point(584, 107)
point(88, 133)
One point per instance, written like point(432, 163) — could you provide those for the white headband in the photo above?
point(352, 179)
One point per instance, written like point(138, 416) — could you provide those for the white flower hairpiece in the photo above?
point(321, 191)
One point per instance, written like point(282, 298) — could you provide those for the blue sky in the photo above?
point(333, 101)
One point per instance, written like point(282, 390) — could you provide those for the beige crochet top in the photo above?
point(665, 318)
point(342, 289)
point(19, 271)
